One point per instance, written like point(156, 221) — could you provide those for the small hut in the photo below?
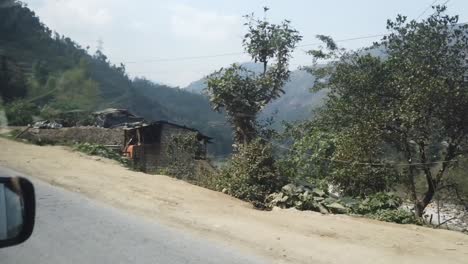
point(150, 143)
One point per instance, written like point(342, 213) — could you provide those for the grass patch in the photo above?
point(100, 150)
point(11, 134)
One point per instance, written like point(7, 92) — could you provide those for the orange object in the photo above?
point(130, 151)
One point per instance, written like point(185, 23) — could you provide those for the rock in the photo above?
point(289, 188)
point(276, 208)
point(329, 200)
point(333, 191)
point(318, 199)
point(322, 209)
point(298, 204)
point(349, 202)
point(318, 192)
point(224, 190)
point(337, 208)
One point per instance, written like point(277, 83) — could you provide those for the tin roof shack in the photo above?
point(112, 117)
point(151, 145)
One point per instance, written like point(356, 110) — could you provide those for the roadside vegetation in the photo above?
point(101, 151)
point(392, 130)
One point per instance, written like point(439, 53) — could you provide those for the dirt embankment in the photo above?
point(286, 236)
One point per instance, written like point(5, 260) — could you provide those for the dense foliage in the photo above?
point(20, 112)
point(393, 119)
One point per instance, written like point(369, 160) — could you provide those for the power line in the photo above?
point(350, 162)
point(344, 40)
point(390, 163)
point(299, 46)
point(425, 10)
point(429, 7)
point(187, 58)
point(240, 53)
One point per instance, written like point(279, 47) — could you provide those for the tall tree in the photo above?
point(413, 102)
point(242, 93)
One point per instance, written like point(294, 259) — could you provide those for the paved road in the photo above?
point(73, 229)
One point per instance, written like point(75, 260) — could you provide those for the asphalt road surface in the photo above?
point(71, 228)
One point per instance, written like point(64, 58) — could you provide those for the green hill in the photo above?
point(47, 73)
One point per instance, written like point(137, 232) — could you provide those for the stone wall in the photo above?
point(146, 158)
point(167, 132)
point(153, 157)
point(72, 135)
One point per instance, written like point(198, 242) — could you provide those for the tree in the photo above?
point(410, 106)
point(20, 113)
point(73, 89)
point(428, 61)
point(12, 84)
point(242, 93)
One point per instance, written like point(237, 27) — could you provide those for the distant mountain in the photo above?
point(196, 86)
point(297, 102)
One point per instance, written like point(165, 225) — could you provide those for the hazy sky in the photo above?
point(151, 36)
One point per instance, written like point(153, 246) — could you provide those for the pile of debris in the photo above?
point(46, 124)
point(113, 118)
point(444, 215)
point(306, 197)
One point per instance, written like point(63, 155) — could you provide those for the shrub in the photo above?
point(314, 149)
point(252, 174)
point(378, 202)
point(306, 197)
point(100, 150)
point(20, 113)
point(398, 216)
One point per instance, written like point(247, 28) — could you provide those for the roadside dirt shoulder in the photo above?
point(285, 236)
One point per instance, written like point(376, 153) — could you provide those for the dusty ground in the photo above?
point(287, 236)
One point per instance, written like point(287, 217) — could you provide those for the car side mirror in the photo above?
point(17, 210)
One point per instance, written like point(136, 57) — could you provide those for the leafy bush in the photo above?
point(378, 202)
point(20, 113)
point(99, 150)
point(314, 149)
point(385, 207)
point(11, 134)
point(398, 216)
point(306, 197)
point(381, 206)
point(252, 174)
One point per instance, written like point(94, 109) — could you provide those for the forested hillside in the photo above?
point(44, 74)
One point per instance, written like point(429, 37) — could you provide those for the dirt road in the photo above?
point(286, 236)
